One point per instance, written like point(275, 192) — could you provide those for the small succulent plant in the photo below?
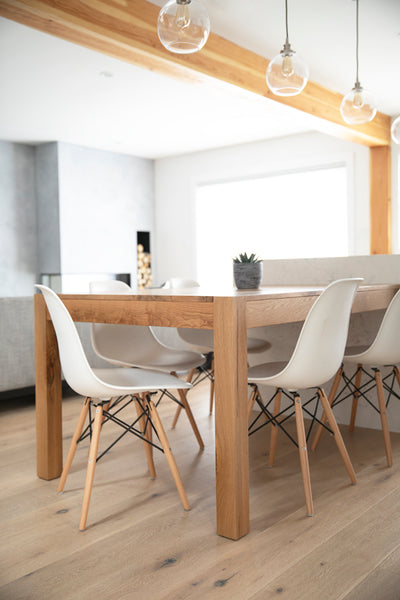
point(244, 258)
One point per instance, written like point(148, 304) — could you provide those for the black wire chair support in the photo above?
point(277, 420)
point(366, 386)
point(128, 428)
point(203, 373)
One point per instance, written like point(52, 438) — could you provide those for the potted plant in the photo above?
point(247, 271)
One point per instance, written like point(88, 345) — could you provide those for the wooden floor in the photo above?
point(141, 544)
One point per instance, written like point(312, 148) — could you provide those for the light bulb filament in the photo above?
point(182, 16)
point(287, 66)
point(358, 101)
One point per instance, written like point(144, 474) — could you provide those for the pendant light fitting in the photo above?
point(287, 73)
point(183, 26)
point(358, 105)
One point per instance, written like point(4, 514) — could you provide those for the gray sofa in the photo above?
point(17, 344)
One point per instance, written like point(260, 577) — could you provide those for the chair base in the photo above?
point(143, 427)
point(278, 418)
point(354, 388)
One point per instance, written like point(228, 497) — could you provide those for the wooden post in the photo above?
point(48, 395)
point(127, 31)
point(231, 412)
point(380, 200)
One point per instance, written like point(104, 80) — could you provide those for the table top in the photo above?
point(208, 293)
point(195, 308)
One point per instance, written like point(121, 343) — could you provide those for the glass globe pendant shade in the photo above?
point(395, 130)
point(287, 73)
point(357, 106)
point(183, 26)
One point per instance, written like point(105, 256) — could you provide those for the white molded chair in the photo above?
point(136, 346)
point(202, 340)
point(105, 390)
point(315, 359)
point(384, 351)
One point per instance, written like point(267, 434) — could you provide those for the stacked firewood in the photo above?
point(144, 277)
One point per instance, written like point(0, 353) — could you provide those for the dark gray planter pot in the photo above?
point(247, 276)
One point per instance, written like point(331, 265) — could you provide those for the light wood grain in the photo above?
point(230, 313)
point(231, 413)
point(380, 200)
point(127, 30)
point(48, 380)
point(153, 549)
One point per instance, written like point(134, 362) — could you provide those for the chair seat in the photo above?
point(352, 351)
point(167, 361)
point(257, 345)
point(133, 380)
point(202, 340)
point(368, 356)
point(265, 370)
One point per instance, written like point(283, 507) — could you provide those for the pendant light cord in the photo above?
point(286, 18)
point(357, 82)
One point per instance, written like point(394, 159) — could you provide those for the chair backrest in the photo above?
point(128, 345)
point(177, 283)
point(385, 349)
point(74, 363)
point(320, 348)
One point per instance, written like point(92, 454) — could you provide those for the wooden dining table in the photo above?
point(230, 313)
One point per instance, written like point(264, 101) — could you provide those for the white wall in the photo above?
point(104, 199)
point(176, 180)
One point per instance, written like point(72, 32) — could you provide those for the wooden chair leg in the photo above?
point(356, 395)
point(305, 468)
point(274, 429)
point(212, 385)
point(332, 394)
point(145, 428)
point(73, 445)
point(168, 454)
point(176, 417)
point(98, 420)
point(337, 435)
point(251, 401)
point(188, 410)
point(397, 373)
point(179, 408)
point(384, 419)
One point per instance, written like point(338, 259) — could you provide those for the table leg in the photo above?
point(231, 437)
point(48, 395)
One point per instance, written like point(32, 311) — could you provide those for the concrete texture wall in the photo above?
point(47, 195)
point(18, 232)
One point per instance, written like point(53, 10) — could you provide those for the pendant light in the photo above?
point(287, 73)
point(395, 130)
point(183, 26)
point(357, 106)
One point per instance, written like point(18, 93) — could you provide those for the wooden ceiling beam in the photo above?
point(126, 29)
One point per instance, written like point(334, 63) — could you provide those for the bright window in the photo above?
point(293, 215)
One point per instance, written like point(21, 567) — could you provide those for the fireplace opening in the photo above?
point(144, 276)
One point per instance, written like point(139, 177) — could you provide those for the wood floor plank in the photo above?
point(383, 582)
point(327, 571)
point(140, 544)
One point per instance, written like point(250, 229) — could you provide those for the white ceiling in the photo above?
point(55, 90)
